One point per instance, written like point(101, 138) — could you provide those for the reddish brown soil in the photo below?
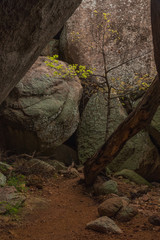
point(65, 216)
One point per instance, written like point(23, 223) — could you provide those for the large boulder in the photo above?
point(93, 128)
point(154, 129)
point(80, 40)
point(42, 111)
point(25, 28)
point(141, 155)
point(132, 176)
point(138, 154)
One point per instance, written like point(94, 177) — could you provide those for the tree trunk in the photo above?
point(26, 26)
point(155, 21)
point(135, 122)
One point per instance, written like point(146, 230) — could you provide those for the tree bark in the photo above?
point(135, 122)
point(26, 26)
point(155, 22)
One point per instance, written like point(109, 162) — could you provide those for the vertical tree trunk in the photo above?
point(155, 21)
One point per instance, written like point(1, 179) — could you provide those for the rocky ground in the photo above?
point(60, 208)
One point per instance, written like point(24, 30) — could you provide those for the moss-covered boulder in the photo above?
point(10, 200)
point(93, 129)
point(154, 129)
point(42, 111)
point(106, 188)
point(132, 176)
point(126, 213)
point(141, 155)
point(156, 120)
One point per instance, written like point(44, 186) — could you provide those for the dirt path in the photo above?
point(69, 209)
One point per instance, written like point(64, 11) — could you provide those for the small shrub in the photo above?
point(18, 182)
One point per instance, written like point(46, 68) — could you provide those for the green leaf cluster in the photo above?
point(70, 71)
point(18, 182)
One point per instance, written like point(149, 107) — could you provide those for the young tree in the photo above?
point(143, 113)
point(138, 119)
point(105, 40)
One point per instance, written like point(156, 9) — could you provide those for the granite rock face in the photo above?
point(138, 154)
point(42, 110)
point(141, 155)
point(92, 128)
point(131, 19)
point(95, 125)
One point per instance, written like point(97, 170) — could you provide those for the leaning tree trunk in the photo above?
point(134, 123)
point(25, 28)
point(138, 119)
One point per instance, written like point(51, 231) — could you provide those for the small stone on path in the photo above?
point(110, 207)
point(105, 225)
point(126, 213)
point(107, 188)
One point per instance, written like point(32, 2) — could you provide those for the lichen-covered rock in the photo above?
point(9, 197)
point(37, 166)
point(104, 225)
point(106, 188)
point(132, 176)
point(93, 130)
point(126, 213)
point(131, 19)
point(139, 154)
point(110, 207)
point(57, 165)
point(3, 179)
point(25, 29)
point(117, 207)
point(154, 129)
point(42, 111)
point(156, 120)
